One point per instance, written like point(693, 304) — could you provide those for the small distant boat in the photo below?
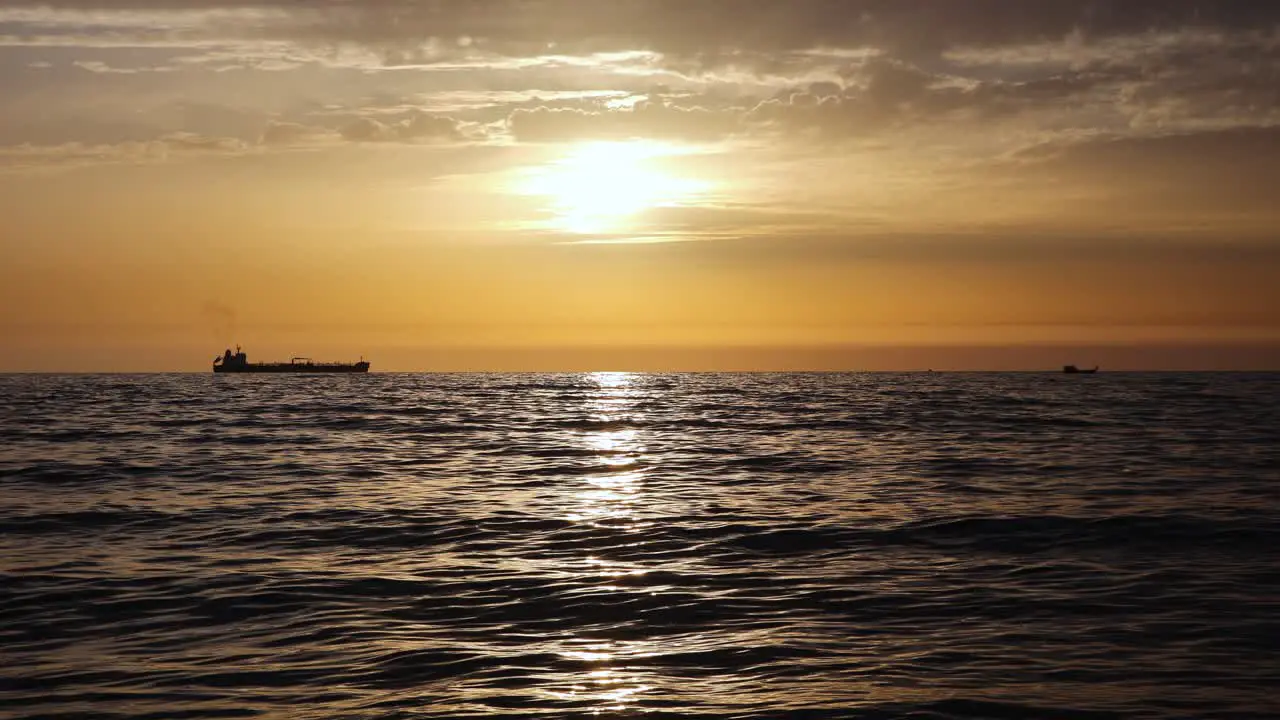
point(239, 363)
point(1073, 370)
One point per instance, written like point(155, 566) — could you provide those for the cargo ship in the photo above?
point(239, 363)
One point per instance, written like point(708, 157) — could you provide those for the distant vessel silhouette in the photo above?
point(239, 363)
point(1073, 370)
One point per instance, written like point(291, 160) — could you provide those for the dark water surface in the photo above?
point(727, 546)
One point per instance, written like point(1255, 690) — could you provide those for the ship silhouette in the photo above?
point(239, 363)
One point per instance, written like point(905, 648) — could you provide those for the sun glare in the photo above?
point(601, 188)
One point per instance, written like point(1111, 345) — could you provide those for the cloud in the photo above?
point(880, 93)
point(189, 142)
point(368, 130)
point(419, 126)
point(992, 74)
point(646, 119)
point(97, 66)
point(176, 146)
point(278, 133)
point(719, 31)
point(1231, 170)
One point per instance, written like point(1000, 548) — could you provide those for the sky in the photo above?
point(640, 184)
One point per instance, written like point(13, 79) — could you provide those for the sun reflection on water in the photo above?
point(609, 499)
point(614, 493)
point(609, 685)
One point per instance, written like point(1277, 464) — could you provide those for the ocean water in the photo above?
point(713, 546)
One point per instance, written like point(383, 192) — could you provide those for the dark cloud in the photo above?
point(717, 27)
point(1210, 53)
point(1217, 181)
point(885, 93)
point(1223, 167)
point(836, 69)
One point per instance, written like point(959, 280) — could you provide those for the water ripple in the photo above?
point(720, 546)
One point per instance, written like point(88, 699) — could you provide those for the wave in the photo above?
point(719, 546)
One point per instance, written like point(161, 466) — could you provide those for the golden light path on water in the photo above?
point(617, 665)
point(611, 496)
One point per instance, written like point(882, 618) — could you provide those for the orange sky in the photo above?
point(823, 188)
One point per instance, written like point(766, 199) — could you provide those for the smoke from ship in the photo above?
point(221, 322)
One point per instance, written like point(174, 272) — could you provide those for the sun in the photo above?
point(601, 187)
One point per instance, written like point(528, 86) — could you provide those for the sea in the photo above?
point(930, 546)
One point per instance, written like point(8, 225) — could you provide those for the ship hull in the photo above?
point(1073, 370)
point(292, 368)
